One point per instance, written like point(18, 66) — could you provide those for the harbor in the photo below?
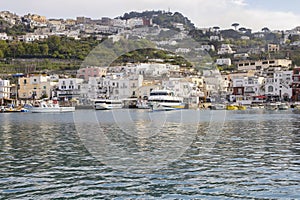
point(150, 100)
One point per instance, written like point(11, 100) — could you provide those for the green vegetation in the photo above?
point(52, 47)
point(162, 18)
point(146, 55)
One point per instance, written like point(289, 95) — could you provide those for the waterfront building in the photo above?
point(114, 87)
point(214, 83)
point(246, 88)
point(68, 88)
point(34, 87)
point(278, 84)
point(4, 90)
point(296, 84)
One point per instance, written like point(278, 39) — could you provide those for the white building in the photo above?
point(29, 37)
point(246, 88)
point(114, 87)
point(214, 83)
point(206, 48)
point(225, 49)
point(69, 88)
point(3, 36)
point(223, 61)
point(278, 84)
point(155, 69)
point(4, 90)
point(133, 22)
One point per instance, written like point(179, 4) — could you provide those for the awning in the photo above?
point(261, 97)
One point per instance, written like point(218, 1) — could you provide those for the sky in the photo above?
point(253, 14)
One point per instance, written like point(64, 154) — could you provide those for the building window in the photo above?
point(270, 89)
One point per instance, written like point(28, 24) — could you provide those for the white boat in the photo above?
point(142, 104)
point(271, 106)
point(283, 106)
point(163, 100)
point(107, 104)
point(218, 107)
point(50, 107)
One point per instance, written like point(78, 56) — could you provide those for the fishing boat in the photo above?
point(283, 106)
point(241, 107)
point(50, 107)
point(296, 109)
point(271, 106)
point(164, 100)
point(218, 107)
point(107, 104)
point(231, 107)
point(12, 109)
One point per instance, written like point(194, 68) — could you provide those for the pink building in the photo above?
point(85, 73)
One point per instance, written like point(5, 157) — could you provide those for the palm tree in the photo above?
point(242, 29)
point(265, 29)
point(235, 25)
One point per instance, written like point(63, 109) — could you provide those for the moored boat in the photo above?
point(231, 107)
point(271, 106)
point(107, 104)
point(283, 106)
point(164, 100)
point(50, 107)
point(241, 107)
point(218, 107)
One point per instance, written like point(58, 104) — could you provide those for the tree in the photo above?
point(1, 54)
point(44, 49)
point(242, 29)
point(235, 25)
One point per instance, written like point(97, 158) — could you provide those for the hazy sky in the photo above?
point(254, 14)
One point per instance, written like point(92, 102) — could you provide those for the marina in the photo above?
point(147, 103)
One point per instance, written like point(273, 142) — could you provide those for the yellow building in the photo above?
point(34, 87)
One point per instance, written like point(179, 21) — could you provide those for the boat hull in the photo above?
point(52, 109)
point(166, 106)
point(105, 106)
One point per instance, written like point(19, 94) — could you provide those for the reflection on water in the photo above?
point(252, 154)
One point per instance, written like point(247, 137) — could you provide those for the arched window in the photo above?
point(270, 89)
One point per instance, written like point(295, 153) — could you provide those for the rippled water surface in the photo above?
point(136, 154)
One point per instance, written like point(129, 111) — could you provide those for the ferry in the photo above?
point(107, 104)
point(164, 100)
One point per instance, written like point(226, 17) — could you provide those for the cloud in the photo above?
point(239, 2)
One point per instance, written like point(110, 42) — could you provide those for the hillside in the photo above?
point(162, 18)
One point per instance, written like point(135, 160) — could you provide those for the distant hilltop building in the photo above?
point(225, 49)
point(273, 47)
point(36, 18)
